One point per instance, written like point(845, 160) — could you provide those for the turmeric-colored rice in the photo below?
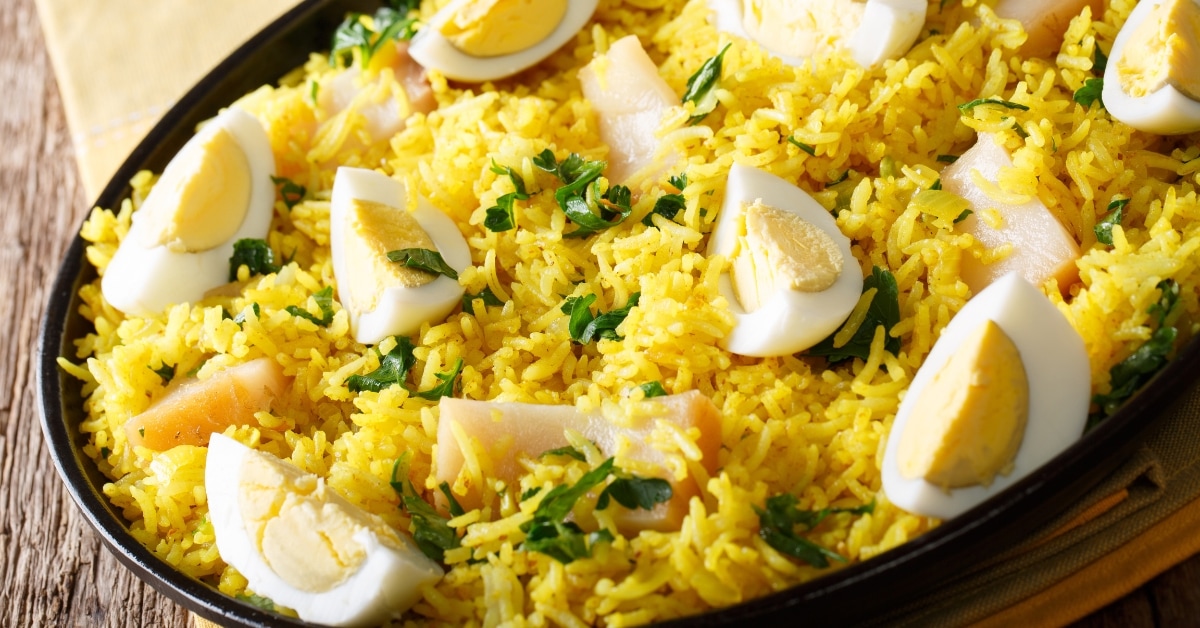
point(789, 425)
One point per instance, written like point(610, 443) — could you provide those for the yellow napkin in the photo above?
point(122, 63)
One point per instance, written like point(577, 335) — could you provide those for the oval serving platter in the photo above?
point(859, 594)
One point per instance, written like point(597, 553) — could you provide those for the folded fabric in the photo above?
point(122, 63)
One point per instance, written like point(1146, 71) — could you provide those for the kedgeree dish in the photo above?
point(608, 313)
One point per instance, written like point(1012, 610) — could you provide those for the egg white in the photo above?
point(790, 320)
point(142, 281)
point(1166, 111)
point(432, 50)
point(400, 310)
point(887, 31)
point(386, 582)
point(1059, 375)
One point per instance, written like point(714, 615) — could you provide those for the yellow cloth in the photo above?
point(122, 63)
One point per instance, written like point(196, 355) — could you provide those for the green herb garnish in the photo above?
point(166, 372)
point(1128, 375)
point(449, 381)
point(965, 107)
point(391, 23)
point(393, 369)
point(253, 253)
point(240, 319)
point(431, 531)
point(808, 148)
point(883, 311)
point(1091, 92)
point(423, 259)
point(567, 451)
point(963, 216)
point(635, 492)
point(1104, 228)
point(290, 192)
point(324, 299)
point(486, 295)
point(779, 519)
point(257, 601)
point(585, 327)
point(653, 389)
point(502, 216)
point(580, 197)
point(947, 159)
point(700, 87)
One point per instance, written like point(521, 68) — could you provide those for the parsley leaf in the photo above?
point(255, 254)
point(965, 107)
point(393, 369)
point(446, 387)
point(324, 299)
point(1100, 63)
point(700, 87)
point(963, 216)
point(1090, 92)
point(1104, 227)
point(431, 531)
point(166, 372)
point(240, 319)
point(562, 541)
point(780, 517)
point(667, 206)
point(290, 192)
point(653, 389)
point(635, 492)
point(351, 34)
point(390, 23)
point(487, 296)
point(1131, 373)
point(808, 148)
point(947, 159)
point(584, 327)
point(567, 451)
point(580, 197)
point(884, 310)
point(257, 601)
point(501, 216)
point(423, 259)
point(559, 501)
point(455, 508)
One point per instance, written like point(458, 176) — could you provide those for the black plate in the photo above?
point(852, 595)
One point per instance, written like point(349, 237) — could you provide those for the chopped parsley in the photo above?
point(1008, 104)
point(808, 148)
point(1131, 373)
point(567, 451)
point(391, 23)
point(1104, 228)
point(700, 90)
point(884, 310)
point(947, 159)
point(166, 372)
point(580, 196)
point(324, 299)
point(502, 216)
point(105, 452)
point(668, 205)
point(530, 493)
point(586, 327)
point(393, 369)
point(431, 531)
point(653, 389)
point(548, 532)
point(963, 216)
point(290, 192)
point(423, 259)
point(257, 601)
point(780, 517)
point(255, 255)
point(486, 295)
point(1090, 92)
point(240, 319)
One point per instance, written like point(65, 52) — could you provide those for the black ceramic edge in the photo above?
point(892, 578)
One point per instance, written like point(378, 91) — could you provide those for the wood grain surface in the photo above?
point(53, 569)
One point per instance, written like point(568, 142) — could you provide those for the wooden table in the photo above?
point(53, 569)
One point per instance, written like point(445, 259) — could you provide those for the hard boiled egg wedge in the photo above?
point(793, 30)
point(793, 279)
point(1005, 389)
point(1151, 82)
point(215, 191)
point(304, 546)
point(368, 219)
point(484, 40)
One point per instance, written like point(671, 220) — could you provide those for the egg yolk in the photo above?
point(1164, 50)
point(800, 29)
point(374, 229)
point(781, 251)
point(969, 421)
point(491, 28)
point(308, 535)
point(202, 197)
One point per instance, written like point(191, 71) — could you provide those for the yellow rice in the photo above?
point(789, 424)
